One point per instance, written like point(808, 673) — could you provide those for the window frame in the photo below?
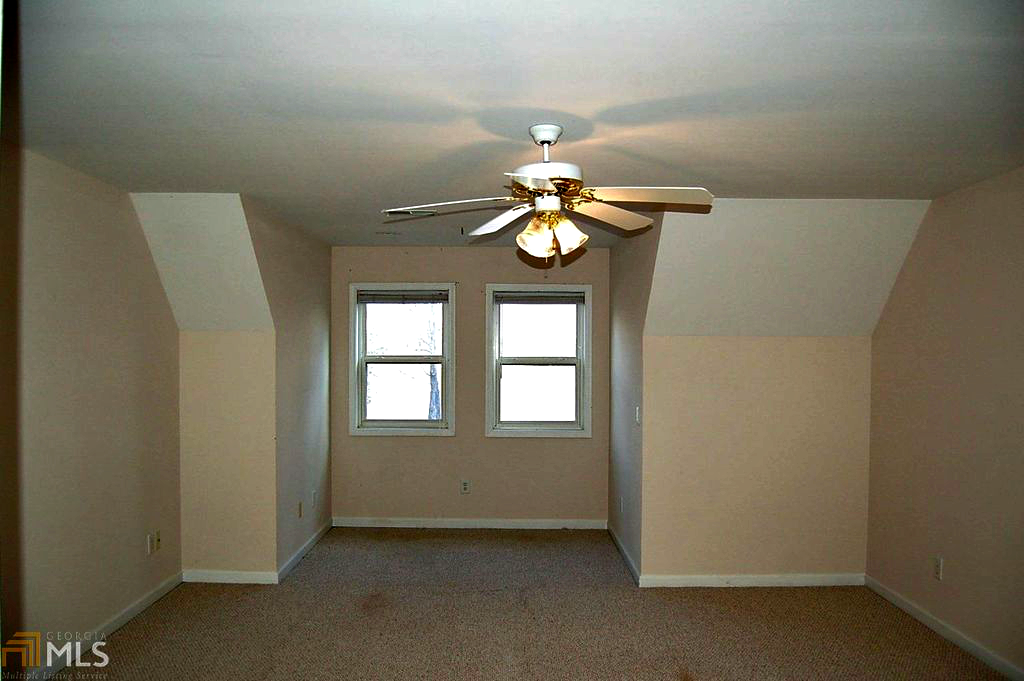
point(581, 428)
point(358, 424)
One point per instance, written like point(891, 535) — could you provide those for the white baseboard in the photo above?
point(121, 618)
point(228, 577)
point(478, 523)
point(793, 579)
point(947, 631)
point(140, 604)
point(283, 571)
point(626, 558)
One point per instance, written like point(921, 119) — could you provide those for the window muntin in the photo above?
point(401, 379)
point(538, 360)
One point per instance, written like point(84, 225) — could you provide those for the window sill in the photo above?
point(403, 432)
point(539, 432)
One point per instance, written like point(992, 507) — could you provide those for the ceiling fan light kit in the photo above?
point(569, 236)
point(548, 229)
point(548, 187)
point(537, 239)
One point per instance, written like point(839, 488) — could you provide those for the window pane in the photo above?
point(538, 330)
point(538, 393)
point(404, 328)
point(403, 392)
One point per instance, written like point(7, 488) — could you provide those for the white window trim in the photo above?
point(356, 399)
point(584, 341)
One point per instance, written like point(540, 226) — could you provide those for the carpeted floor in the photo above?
point(516, 604)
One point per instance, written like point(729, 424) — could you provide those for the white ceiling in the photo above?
point(329, 111)
point(780, 267)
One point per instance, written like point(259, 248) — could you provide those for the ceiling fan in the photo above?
point(548, 187)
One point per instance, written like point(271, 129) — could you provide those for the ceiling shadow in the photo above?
point(699, 174)
point(548, 263)
point(534, 262)
point(514, 122)
point(465, 165)
point(569, 259)
point(764, 98)
point(634, 232)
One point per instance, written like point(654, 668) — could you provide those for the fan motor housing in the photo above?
point(547, 203)
point(566, 176)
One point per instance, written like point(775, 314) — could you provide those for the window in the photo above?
point(401, 378)
point(538, 360)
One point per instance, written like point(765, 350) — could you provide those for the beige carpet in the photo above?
point(511, 604)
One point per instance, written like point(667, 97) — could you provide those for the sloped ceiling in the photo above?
point(203, 251)
point(762, 267)
point(330, 111)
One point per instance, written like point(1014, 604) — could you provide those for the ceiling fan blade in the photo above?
point(503, 220)
point(697, 196)
point(533, 182)
point(430, 208)
point(613, 215)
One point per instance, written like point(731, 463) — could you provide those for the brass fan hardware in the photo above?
point(548, 187)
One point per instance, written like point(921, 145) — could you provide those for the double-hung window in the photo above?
point(538, 360)
point(401, 377)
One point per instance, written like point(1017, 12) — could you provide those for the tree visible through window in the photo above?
point(402, 358)
point(403, 391)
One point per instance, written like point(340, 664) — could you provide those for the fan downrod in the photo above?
point(546, 135)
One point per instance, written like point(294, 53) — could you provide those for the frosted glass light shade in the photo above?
point(569, 236)
point(537, 239)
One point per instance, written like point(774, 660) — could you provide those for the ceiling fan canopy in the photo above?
point(549, 187)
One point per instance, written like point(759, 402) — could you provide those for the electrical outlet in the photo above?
point(638, 414)
point(150, 545)
point(464, 489)
point(937, 565)
point(300, 509)
point(157, 536)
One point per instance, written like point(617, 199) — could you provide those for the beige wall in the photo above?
point(755, 455)
point(631, 269)
point(511, 477)
point(252, 300)
point(99, 398)
point(296, 273)
point(947, 469)
point(228, 454)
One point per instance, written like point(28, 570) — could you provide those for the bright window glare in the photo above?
point(403, 392)
point(538, 330)
point(538, 393)
point(404, 328)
